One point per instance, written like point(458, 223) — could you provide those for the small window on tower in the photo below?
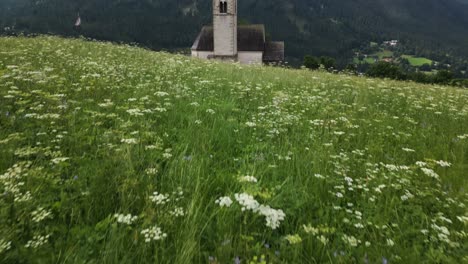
point(223, 6)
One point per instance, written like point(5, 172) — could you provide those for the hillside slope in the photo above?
point(319, 27)
point(114, 154)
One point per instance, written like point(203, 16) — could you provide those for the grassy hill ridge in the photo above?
point(113, 153)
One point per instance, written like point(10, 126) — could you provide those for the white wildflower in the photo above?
point(408, 150)
point(125, 219)
point(159, 198)
point(359, 225)
point(129, 141)
point(273, 216)
point(4, 245)
point(250, 124)
point(161, 94)
point(463, 219)
point(309, 229)
point(151, 171)
point(248, 179)
point(135, 112)
point(153, 234)
point(37, 241)
point(178, 211)
point(167, 153)
point(40, 214)
point(430, 173)
point(421, 164)
point(319, 176)
point(351, 240)
point(390, 242)
point(224, 201)
point(443, 163)
point(323, 239)
point(293, 239)
point(246, 201)
point(59, 160)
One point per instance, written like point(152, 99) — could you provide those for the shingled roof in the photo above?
point(249, 38)
point(274, 51)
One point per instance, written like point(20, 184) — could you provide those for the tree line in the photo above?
point(388, 70)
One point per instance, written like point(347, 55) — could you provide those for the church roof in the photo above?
point(274, 51)
point(249, 38)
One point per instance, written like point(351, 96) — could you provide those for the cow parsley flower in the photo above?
point(273, 216)
point(247, 201)
point(151, 171)
point(408, 150)
point(159, 198)
point(135, 112)
point(390, 242)
point(421, 164)
point(293, 239)
point(319, 176)
point(224, 201)
point(4, 245)
point(323, 239)
point(248, 179)
point(463, 219)
point(129, 141)
point(37, 241)
point(309, 229)
point(59, 160)
point(178, 211)
point(443, 163)
point(153, 234)
point(250, 124)
point(167, 153)
point(40, 214)
point(351, 240)
point(125, 219)
point(430, 173)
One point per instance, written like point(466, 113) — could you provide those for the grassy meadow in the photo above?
point(417, 61)
point(116, 154)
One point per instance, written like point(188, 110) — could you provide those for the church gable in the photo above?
point(249, 38)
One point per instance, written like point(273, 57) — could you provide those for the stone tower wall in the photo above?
point(225, 29)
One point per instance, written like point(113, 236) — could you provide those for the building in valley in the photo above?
point(228, 41)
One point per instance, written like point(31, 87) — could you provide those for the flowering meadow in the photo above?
point(116, 154)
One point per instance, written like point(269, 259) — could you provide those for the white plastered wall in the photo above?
point(250, 57)
point(202, 54)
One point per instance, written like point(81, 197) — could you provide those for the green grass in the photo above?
point(416, 61)
point(365, 60)
point(384, 54)
point(89, 130)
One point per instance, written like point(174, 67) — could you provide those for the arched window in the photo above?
point(223, 6)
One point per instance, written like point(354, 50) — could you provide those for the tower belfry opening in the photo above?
point(223, 6)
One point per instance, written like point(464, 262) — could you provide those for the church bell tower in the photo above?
point(225, 28)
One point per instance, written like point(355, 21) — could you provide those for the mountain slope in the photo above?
point(331, 27)
point(116, 154)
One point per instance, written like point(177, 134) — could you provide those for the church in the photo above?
point(227, 41)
